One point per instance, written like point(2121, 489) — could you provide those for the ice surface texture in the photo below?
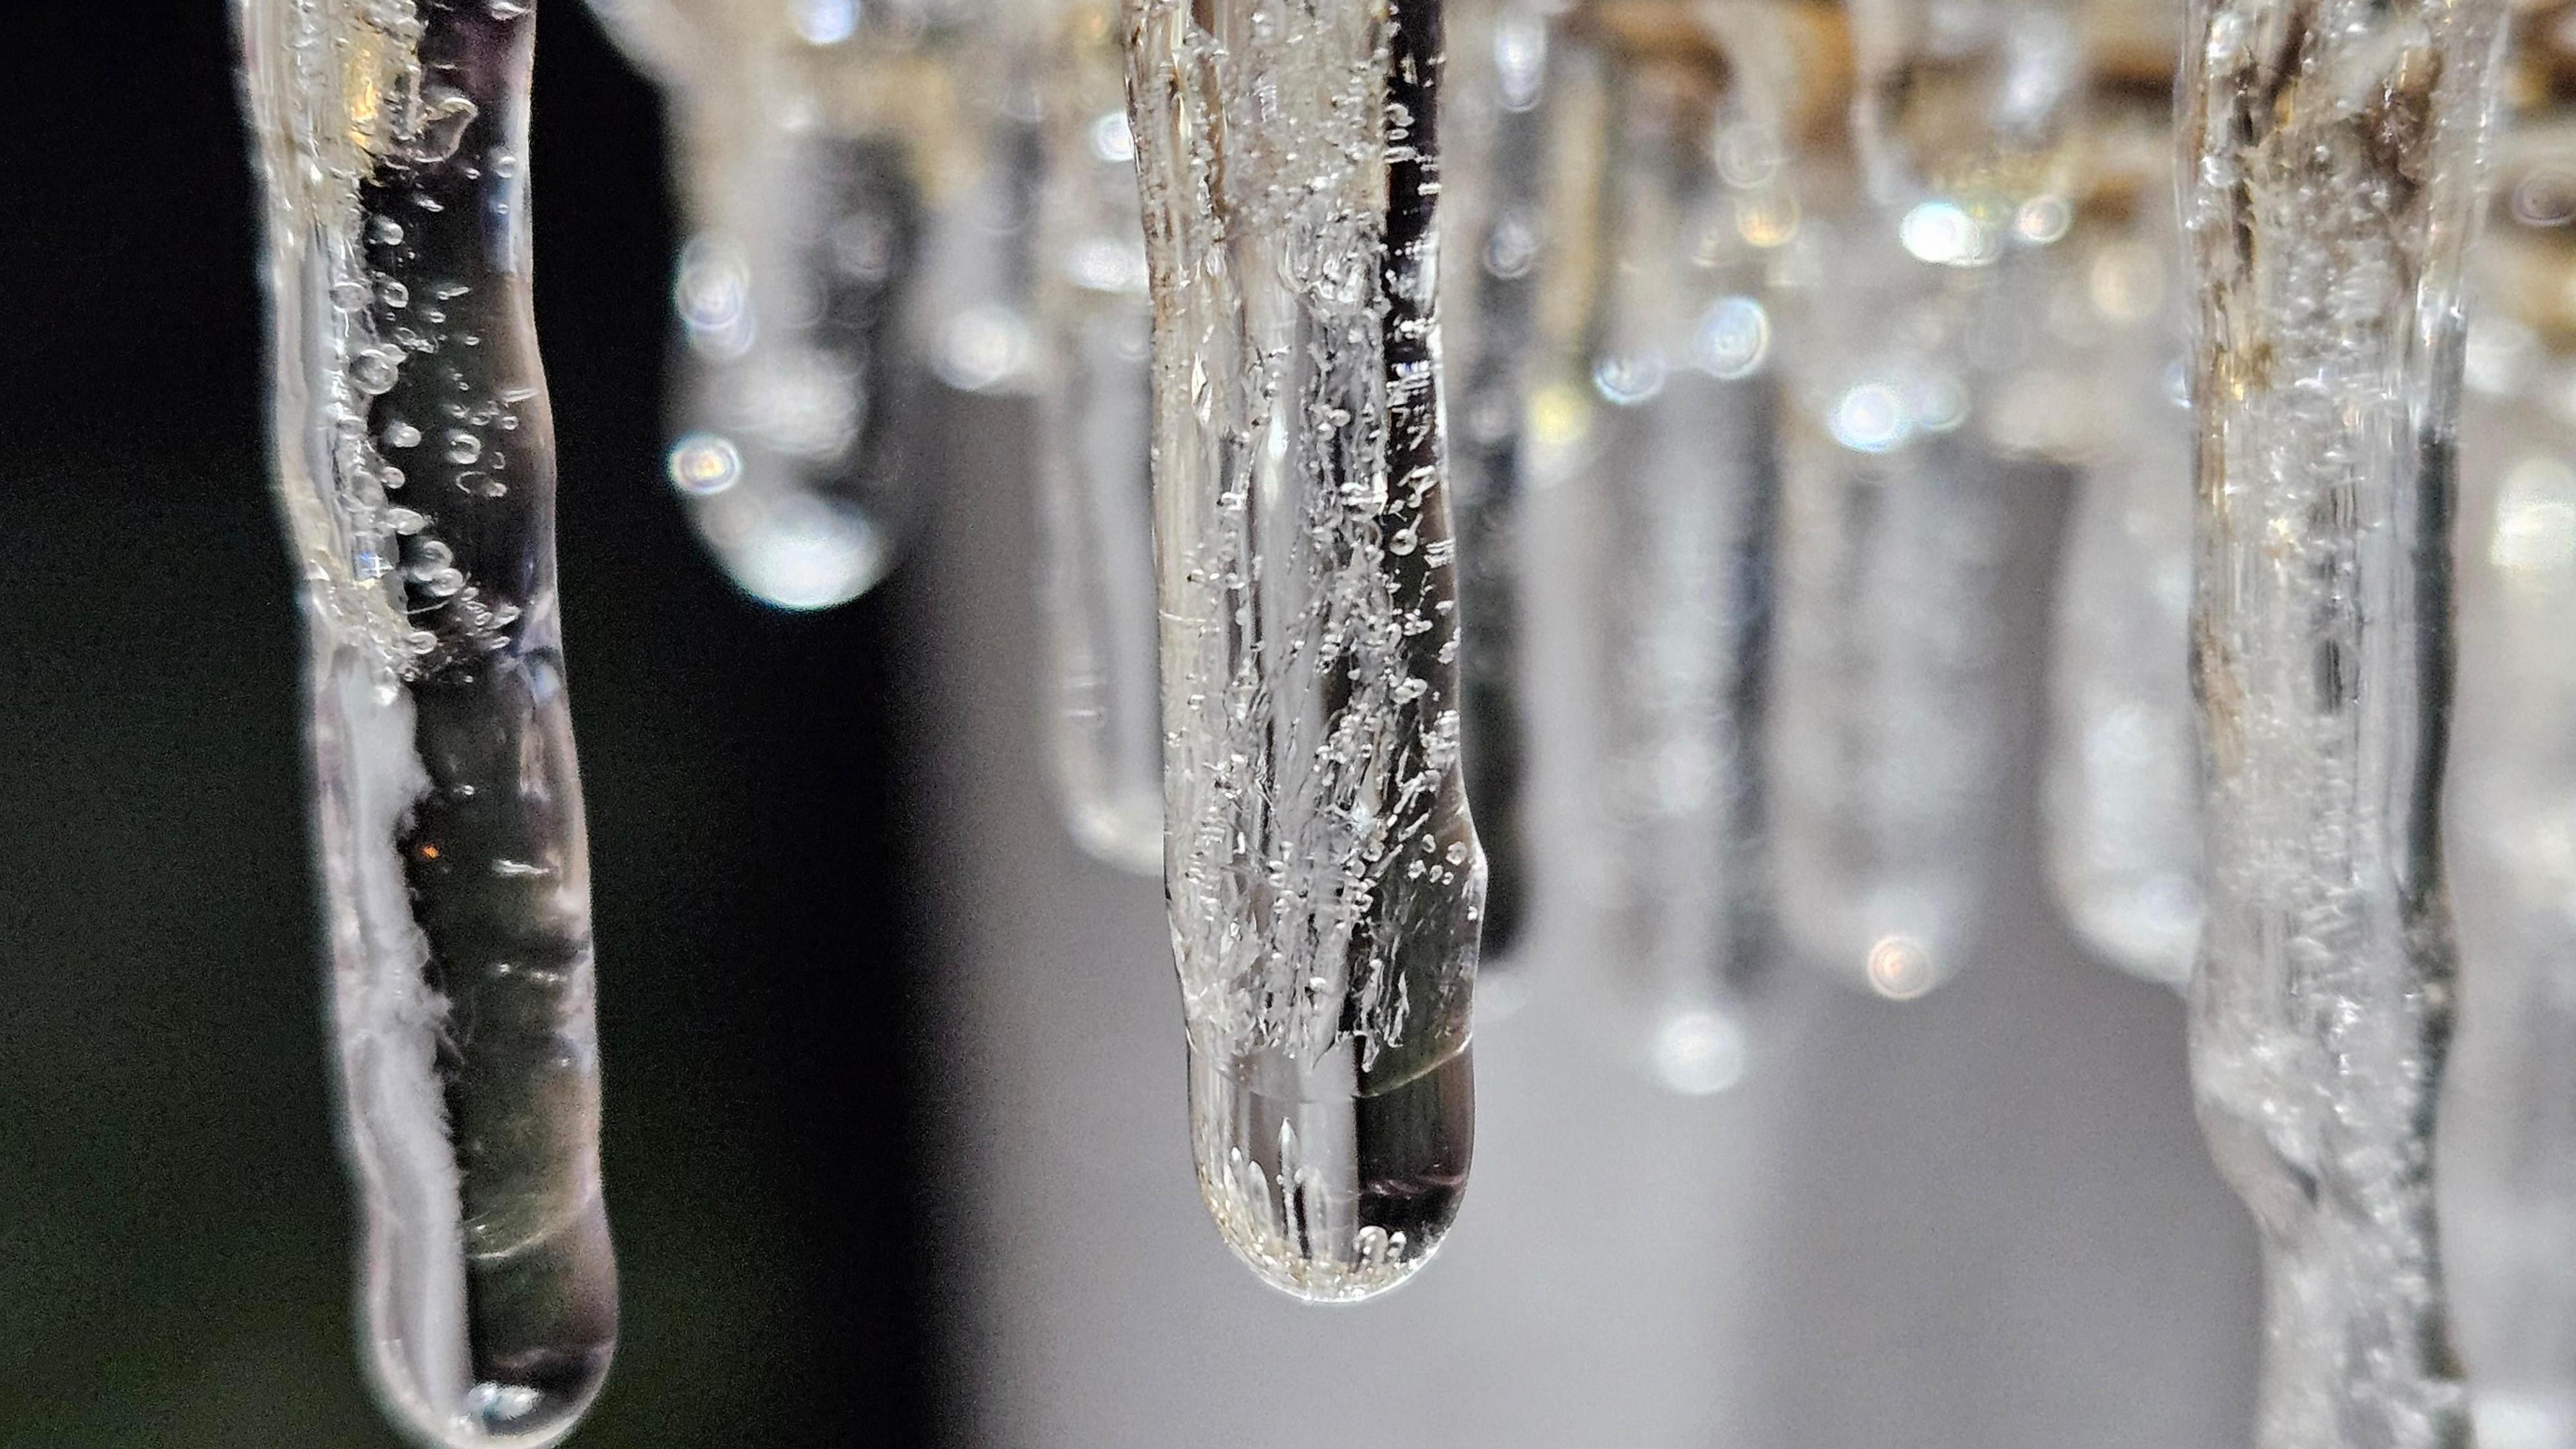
point(415, 470)
point(1324, 877)
point(2331, 164)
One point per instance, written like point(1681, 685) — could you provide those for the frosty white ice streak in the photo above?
point(415, 470)
point(1323, 874)
point(844, 239)
point(2331, 160)
point(1096, 528)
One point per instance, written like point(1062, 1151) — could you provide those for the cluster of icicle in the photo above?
point(1524, 479)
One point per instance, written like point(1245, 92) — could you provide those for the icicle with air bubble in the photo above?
point(1323, 874)
point(2332, 164)
point(415, 466)
point(851, 203)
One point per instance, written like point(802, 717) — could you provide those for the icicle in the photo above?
point(2122, 769)
point(2509, 1118)
point(1920, 307)
point(1496, 122)
point(847, 191)
point(1096, 520)
point(415, 468)
point(1323, 874)
point(2332, 157)
point(1676, 472)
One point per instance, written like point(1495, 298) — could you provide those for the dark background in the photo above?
point(173, 1230)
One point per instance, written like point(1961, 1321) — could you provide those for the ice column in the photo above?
point(1096, 527)
point(2121, 783)
point(1922, 303)
point(847, 199)
point(2331, 157)
point(1678, 488)
point(415, 470)
point(2508, 1170)
point(1497, 121)
point(1324, 877)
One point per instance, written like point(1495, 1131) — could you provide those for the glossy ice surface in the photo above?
point(1324, 877)
point(2332, 163)
point(415, 470)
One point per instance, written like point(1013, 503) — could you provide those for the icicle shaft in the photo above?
point(415, 465)
point(2331, 156)
point(1324, 878)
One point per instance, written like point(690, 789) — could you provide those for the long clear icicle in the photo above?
point(1096, 527)
point(1889, 729)
point(1324, 877)
point(2509, 1122)
point(846, 189)
point(2331, 157)
point(415, 469)
point(1678, 472)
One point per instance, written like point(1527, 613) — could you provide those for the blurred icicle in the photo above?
point(1665, 432)
point(1096, 515)
point(2333, 161)
point(1323, 875)
point(2508, 1172)
point(2120, 792)
point(850, 180)
point(1921, 309)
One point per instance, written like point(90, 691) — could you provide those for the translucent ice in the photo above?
point(2122, 768)
point(1676, 473)
point(1887, 737)
point(1496, 120)
point(849, 200)
point(415, 470)
point(1324, 877)
point(2331, 156)
point(2508, 1170)
point(1096, 527)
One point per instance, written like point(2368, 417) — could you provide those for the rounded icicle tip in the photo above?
point(1333, 1198)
